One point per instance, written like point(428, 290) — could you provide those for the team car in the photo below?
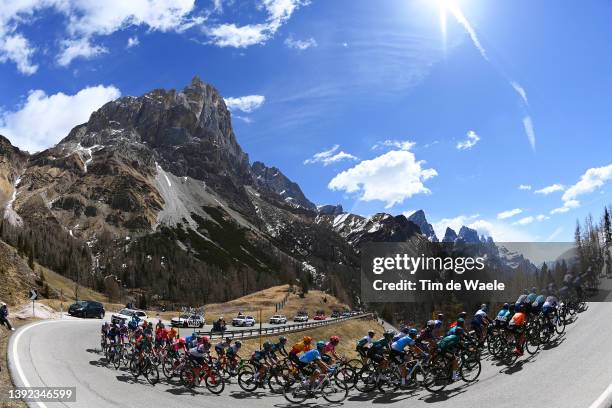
point(125, 315)
point(278, 319)
point(188, 320)
point(243, 321)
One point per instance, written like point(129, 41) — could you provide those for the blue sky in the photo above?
point(402, 116)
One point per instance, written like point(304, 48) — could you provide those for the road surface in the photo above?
point(573, 373)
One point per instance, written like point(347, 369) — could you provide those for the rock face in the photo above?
point(450, 235)
point(272, 179)
point(426, 228)
point(330, 209)
point(468, 235)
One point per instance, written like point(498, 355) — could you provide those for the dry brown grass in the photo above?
point(349, 331)
point(265, 300)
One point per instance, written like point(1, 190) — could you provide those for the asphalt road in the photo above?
point(572, 373)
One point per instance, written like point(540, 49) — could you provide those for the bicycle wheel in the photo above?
point(559, 324)
point(247, 381)
point(470, 369)
point(188, 377)
point(366, 379)
point(389, 381)
point(332, 392)
point(151, 373)
point(117, 359)
point(134, 367)
point(276, 383)
point(168, 367)
point(345, 377)
point(214, 382)
point(355, 364)
point(438, 378)
point(295, 392)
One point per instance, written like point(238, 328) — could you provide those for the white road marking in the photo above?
point(604, 400)
point(17, 364)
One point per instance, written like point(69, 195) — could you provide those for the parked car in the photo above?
point(125, 315)
point(320, 317)
point(300, 318)
point(346, 314)
point(243, 321)
point(335, 314)
point(87, 308)
point(278, 319)
point(187, 320)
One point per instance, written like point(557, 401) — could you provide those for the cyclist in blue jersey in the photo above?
point(398, 352)
point(311, 362)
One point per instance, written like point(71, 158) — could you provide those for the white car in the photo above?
point(278, 319)
point(125, 315)
point(301, 318)
point(243, 321)
point(187, 320)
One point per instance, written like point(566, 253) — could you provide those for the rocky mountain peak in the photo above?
point(468, 235)
point(418, 217)
point(272, 179)
point(330, 209)
point(450, 235)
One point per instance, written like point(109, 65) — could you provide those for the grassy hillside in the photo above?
point(16, 277)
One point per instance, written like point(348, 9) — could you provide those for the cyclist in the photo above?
point(449, 345)
point(262, 359)
point(537, 304)
point(376, 352)
point(550, 304)
point(302, 346)
point(364, 343)
point(517, 328)
point(330, 348)
point(123, 332)
point(503, 316)
point(172, 335)
point(113, 334)
point(480, 321)
point(427, 336)
point(313, 357)
point(200, 351)
point(462, 315)
point(221, 346)
point(398, 353)
point(280, 346)
point(191, 340)
point(159, 325)
point(458, 328)
point(232, 352)
point(402, 333)
point(522, 301)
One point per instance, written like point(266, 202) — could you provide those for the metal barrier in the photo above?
point(265, 331)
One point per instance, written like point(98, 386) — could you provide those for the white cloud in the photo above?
point(542, 217)
point(345, 44)
point(567, 205)
point(246, 104)
point(231, 35)
point(54, 115)
point(524, 187)
point(590, 181)
point(525, 221)
point(399, 144)
point(245, 119)
point(550, 189)
point(81, 48)
point(330, 156)
point(300, 44)
point(508, 214)
point(17, 49)
point(455, 223)
point(520, 90)
point(391, 178)
point(133, 42)
point(528, 125)
point(472, 139)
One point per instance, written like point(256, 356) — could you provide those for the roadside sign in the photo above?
point(33, 294)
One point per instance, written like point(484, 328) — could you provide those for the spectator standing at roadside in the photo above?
point(4, 321)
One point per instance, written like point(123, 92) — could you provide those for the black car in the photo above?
point(87, 308)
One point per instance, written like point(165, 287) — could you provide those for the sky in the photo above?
point(494, 115)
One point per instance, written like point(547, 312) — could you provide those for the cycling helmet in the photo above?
point(412, 332)
point(204, 339)
point(282, 339)
point(459, 330)
point(462, 315)
point(334, 339)
point(320, 345)
point(406, 330)
point(228, 339)
point(181, 341)
point(505, 306)
point(238, 343)
point(267, 345)
point(460, 322)
point(307, 339)
point(484, 307)
point(534, 289)
point(145, 323)
point(440, 316)
point(371, 333)
point(430, 324)
point(389, 334)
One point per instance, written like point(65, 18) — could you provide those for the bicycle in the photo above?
point(193, 372)
point(298, 391)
